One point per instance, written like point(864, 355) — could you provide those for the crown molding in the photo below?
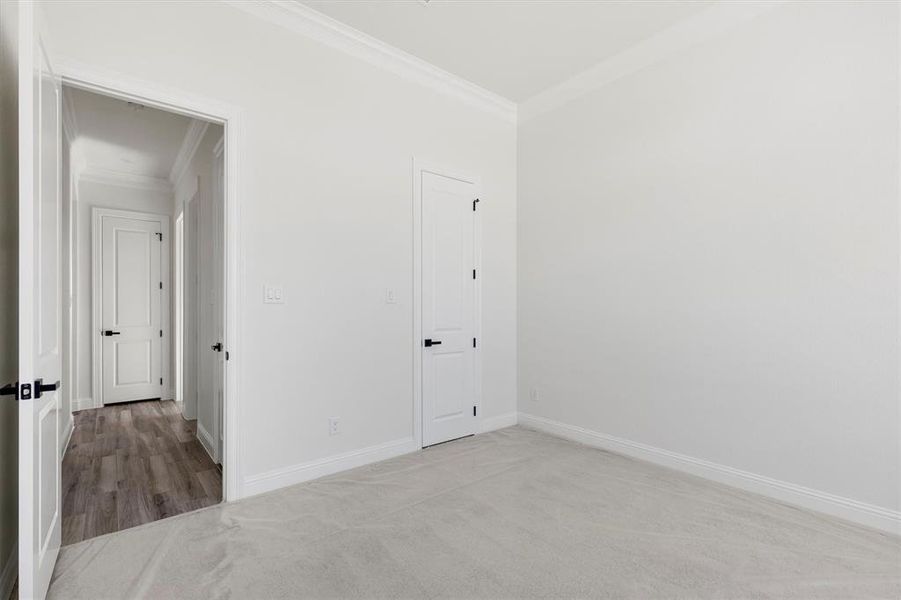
point(94, 174)
point(302, 19)
point(193, 137)
point(692, 31)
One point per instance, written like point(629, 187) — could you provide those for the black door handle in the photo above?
point(430, 343)
point(109, 332)
point(40, 387)
point(217, 347)
point(10, 389)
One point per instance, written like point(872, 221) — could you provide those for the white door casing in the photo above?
point(130, 308)
point(449, 292)
point(126, 87)
point(40, 311)
point(179, 289)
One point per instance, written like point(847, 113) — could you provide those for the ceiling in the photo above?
point(114, 135)
point(514, 48)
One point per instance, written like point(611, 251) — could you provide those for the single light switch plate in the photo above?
point(273, 294)
point(390, 296)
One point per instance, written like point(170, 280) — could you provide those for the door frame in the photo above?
point(420, 167)
point(125, 87)
point(97, 215)
point(178, 317)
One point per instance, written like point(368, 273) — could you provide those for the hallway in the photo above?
point(133, 463)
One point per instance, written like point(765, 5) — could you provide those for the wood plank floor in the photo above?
point(134, 463)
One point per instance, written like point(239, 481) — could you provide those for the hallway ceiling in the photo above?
point(114, 135)
point(514, 48)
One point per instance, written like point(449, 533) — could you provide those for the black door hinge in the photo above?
point(473, 273)
point(226, 355)
point(473, 342)
point(474, 202)
point(161, 285)
point(159, 235)
point(161, 381)
point(161, 333)
point(473, 411)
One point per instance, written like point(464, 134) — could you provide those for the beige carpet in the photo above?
point(510, 514)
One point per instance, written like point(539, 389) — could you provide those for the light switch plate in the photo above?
point(390, 296)
point(273, 294)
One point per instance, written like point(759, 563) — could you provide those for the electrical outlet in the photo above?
point(533, 395)
point(333, 424)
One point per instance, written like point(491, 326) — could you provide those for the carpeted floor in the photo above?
point(509, 514)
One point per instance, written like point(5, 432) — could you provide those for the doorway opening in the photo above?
point(146, 313)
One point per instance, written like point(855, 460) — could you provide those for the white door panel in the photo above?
point(40, 311)
point(448, 309)
point(130, 330)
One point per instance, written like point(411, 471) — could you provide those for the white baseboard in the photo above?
point(852, 510)
point(498, 422)
point(82, 404)
point(9, 573)
point(206, 440)
point(168, 395)
point(279, 478)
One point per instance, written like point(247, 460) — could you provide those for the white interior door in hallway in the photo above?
point(211, 351)
point(131, 300)
point(449, 308)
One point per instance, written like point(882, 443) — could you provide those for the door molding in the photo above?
point(97, 214)
point(420, 167)
point(126, 87)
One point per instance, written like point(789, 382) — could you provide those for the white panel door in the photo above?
point(40, 312)
point(130, 330)
point(211, 350)
point(448, 309)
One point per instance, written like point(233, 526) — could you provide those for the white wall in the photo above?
point(93, 194)
point(709, 253)
point(9, 240)
point(325, 187)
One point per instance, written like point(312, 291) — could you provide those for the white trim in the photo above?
point(10, 572)
point(498, 422)
point(82, 404)
point(187, 150)
point(420, 166)
point(123, 86)
point(206, 440)
point(692, 31)
point(97, 214)
point(279, 478)
point(852, 510)
point(66, 437)
point(315, 25)
point(70, 123)
point(96, 174)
